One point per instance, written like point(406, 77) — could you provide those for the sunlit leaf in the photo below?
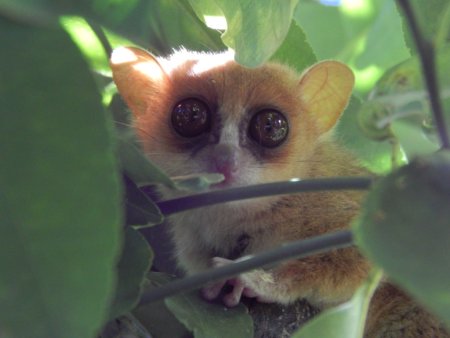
point(256, 28)
point(133, 266)
point(295, 50)
point(88, 42)
point(385, 45)
point(404, 228)
point(206, 9)
point(366, 35)
point(346, 320)
point(316, 20)
point(60, 194)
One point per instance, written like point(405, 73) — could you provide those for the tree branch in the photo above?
point(427, 59)
point(297, 249)
point(269, 189)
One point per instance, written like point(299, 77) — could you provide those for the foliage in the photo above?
point(68, 266)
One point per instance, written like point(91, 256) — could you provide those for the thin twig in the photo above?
point(427, 58)
point(269, 189)
point(297, 249)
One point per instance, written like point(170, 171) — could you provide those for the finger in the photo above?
point(212, 291)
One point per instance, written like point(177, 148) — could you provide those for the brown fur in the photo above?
point(234, 93)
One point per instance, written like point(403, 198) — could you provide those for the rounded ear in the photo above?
point(325, 90)
point(137, 75)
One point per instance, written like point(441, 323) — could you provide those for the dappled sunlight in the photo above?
point(122, 55)
point(205, 63)
point(149, 67)
point(357, 8)
point(216, 22)
point(86, 40)
point(366, 78)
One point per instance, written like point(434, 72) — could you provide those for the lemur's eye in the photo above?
point(191, 117)
point(268, 128)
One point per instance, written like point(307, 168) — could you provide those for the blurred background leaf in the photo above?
point(434, 22)
point(399, 103)
point(364, 34)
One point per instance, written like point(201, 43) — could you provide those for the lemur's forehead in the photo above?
point(235, 89)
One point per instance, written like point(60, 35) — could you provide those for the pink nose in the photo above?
point(225, 159)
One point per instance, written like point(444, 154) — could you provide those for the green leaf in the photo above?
point(60, 195)
point(414, 142)
point(126, 326)
point(136, 165)
point(404, 228)
point(133, 266)
point(346, 320)
point(432, 17)
point(155, 316)
point(366, 35)
point(208, 320)
point(385, 45)
point(140, 209)
point(295, 51)
point(206, 8)
point(146, 23)
point(256, 28)
point(317, 20)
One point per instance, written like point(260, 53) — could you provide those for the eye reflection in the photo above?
point(269, 128)
point(191, 117)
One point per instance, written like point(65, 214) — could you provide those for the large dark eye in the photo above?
point(268, 128)
point(191, 117)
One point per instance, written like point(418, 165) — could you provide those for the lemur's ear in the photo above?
point(137, 75)
point(325, 89)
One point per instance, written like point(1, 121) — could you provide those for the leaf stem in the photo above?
point(427, 58)
point(297, 249)
point(268, 189)
point(101, 36)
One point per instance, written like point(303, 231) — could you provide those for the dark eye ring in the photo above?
point(269, 128)
point(191, 117)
